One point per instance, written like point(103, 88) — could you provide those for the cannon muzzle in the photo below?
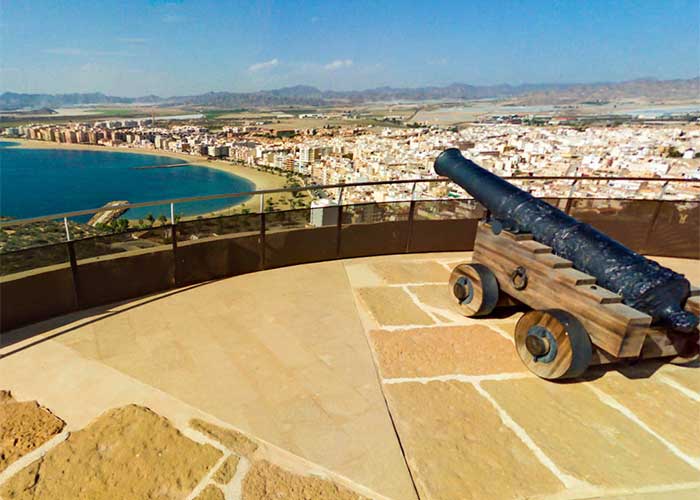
point(642, 283)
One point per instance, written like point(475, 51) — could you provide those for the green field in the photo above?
point(276, 118)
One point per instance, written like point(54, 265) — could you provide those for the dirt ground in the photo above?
point(131, 452)
point(24, 426)
point(128, 452)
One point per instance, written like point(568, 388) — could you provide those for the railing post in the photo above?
point(567, 207)
point(411, 212)
point(339, 223)
point(65, 224)
point(74, 273)
point(173, 236)
point(569, 201)
point(261, 247)
point(261, 237)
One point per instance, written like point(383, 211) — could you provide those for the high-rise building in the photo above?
point(289, 163)
point(306, 154)
point(324, 212)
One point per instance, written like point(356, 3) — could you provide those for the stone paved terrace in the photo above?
point(331, 380)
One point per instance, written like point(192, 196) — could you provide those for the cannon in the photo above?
point(594, 300)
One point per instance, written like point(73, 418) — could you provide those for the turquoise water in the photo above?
point(35, 182)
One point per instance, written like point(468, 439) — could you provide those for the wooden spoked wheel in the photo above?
point(553, 344)
point(475, 289)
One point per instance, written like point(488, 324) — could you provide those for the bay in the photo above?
point(36, 182)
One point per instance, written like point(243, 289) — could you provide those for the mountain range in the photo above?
point(304, 95)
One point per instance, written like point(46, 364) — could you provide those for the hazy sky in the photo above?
point(138, 47)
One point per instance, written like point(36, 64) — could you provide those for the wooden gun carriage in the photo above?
point(573, 322)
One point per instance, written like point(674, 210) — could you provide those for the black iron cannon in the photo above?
point(643, 284)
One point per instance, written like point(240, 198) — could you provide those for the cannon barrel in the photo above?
point(643, 284)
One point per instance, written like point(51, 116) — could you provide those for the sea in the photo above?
point(37, 182)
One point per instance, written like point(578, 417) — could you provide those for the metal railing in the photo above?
point(105, 267)
point(575, 186)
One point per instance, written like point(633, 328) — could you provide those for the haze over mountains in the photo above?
point(305, 95)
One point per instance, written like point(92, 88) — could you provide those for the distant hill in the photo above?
point(650, 89)
point(305, 95)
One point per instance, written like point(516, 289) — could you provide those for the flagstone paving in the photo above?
point(345, 379)
point(475, 424)
point(671, 414)
point(437, 423)
point(685, 378)
point(587, 438)
point(211, 492)
point(392, 306)
point(445, 350)
point(267, 481)
point(227, 470)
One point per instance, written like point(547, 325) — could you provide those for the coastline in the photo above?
point(260, 180)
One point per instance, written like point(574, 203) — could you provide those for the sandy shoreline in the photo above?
point(260, 180)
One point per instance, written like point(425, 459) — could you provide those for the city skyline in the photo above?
point(180, 48)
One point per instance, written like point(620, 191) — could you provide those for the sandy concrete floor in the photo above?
point(301, 359)
point(280, 355)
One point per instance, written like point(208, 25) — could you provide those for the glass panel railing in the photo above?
point(301, 236)
point(444, 225)
point(651, 226)
point(372, 213)
point(289, 219)
point(375, 229)
point(36, 258)
point(447, 210)
point(215, 227)
point(676, 230)
point(36, 234)
point(37, 245)
point(627, 221)
point(129, 241)
point(556, 188)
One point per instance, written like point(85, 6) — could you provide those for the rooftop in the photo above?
point(336, 379)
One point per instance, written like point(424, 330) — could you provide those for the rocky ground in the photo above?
point(131, 452)
point(24, 426)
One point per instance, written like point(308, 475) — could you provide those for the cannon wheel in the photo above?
point(553, 344)
point(475, 288)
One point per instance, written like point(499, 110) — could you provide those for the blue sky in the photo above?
point(133, 47)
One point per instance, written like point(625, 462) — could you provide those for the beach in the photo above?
point(261, 180)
